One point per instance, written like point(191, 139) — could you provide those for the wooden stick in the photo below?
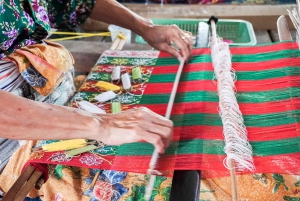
point(121, 44)
point(28, 186)
point(13, 191)
point(94, 180)
point(115, 43)
point(233, 182)
point(155, 154)
point(39, 183)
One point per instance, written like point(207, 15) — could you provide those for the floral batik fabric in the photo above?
point(253, 187)
point(27, 22)
point(68, 183)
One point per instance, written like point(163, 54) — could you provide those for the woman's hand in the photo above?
point(134, 126)
point(159, 37)
point(162, 37)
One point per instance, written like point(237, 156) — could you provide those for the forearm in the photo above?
point(112, 12)
point(21, 118)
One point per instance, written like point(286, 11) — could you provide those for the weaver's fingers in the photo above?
point(153, 117)
point(171, 50)
point(163, 131)
point(188, 38)
point(156, 140)
point(183, 47)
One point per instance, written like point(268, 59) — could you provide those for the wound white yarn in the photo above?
point(237, 146)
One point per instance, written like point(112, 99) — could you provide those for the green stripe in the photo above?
point(215, 147)
point(261, 120)
point(207, 96)
point(235, 58)
point(208, 75)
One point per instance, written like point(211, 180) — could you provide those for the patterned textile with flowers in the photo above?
point(251, 2)
point(67, 183)
point(253, 187)
point(27, 22)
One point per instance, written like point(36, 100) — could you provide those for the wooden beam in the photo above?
point(262, 17)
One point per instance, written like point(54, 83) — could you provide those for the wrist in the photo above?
point(143, 26)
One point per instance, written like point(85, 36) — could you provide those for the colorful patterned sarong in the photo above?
point(267, 91)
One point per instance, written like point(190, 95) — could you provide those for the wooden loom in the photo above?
point(30, 177)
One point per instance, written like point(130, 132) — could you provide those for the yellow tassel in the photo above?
point(107, 86)
point(65, 145)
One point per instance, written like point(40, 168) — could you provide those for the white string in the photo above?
point(237, 146)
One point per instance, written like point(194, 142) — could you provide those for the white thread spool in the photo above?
point(87, 106)
point(203, 35)
point(126, 81)
point(106, 96)
point(116, 73)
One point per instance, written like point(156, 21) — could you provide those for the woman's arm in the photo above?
point(24, 119)
point(159, 37)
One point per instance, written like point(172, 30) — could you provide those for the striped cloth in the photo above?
point(12, 81)
point(268, 79)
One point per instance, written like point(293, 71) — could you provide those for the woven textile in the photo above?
point(267, 86)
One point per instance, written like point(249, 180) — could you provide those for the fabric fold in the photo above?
point(43, 66)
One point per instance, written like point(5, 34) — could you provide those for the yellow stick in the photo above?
point(81, 34)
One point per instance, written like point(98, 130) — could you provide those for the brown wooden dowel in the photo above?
point(233, 182)
point(94, 180)
point(28, 186)
point(19, 183)
point(39, 183)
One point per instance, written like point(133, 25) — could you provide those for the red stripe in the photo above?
point(266, 65)
point(185, 108)
point(281, 164)
point(245, 50)
point(6, 75)
point(287, 163)
point(241, 85)
point(212, 107)
point(238, 66)
point(265, 48)
point(196, 51)
point(254, 133)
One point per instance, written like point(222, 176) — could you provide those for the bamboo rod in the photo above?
point(115, 43)
point(233, 182)
point(155, 154)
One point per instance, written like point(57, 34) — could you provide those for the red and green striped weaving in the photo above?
point(268, 93)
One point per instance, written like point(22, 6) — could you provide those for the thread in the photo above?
point(237, 146)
